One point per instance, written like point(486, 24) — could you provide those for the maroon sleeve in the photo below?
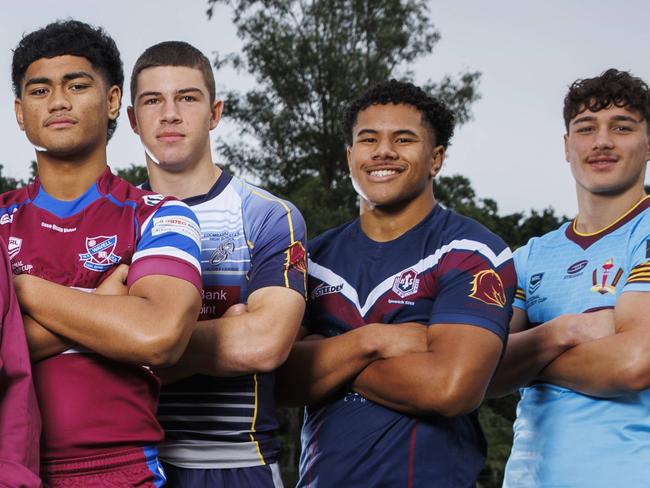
point(20, 422)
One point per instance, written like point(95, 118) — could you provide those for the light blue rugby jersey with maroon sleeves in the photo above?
point(250, 240)
point(562, 437)
point(447, 269)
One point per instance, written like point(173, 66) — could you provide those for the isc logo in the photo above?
point(406, 283)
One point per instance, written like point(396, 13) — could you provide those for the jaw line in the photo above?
point(149, 154)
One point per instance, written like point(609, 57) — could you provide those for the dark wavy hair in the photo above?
point(174, 53)
point(435, 113)
point(74, 38)
point(611, 88)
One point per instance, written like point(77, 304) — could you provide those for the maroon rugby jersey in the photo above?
point(91, 404)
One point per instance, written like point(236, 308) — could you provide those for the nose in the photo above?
point(384, 149)
point(170, 113)
point(59, 100)
point(603, 139)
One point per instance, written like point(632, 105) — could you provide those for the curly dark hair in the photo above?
point(612, 87)
point(435, 113)
point(74, 38)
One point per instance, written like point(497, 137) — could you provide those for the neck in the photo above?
point(383, 224)
point(69, 178)
point(187, 183)
point(597, 212)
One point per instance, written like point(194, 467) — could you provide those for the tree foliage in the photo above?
point(308, 59)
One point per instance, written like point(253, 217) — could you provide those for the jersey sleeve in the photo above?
point(639, 257)
point(520, 257)
point(20, 421)
point(169, 244)
point(278, 246)
point(476, 287)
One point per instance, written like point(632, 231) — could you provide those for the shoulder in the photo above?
point(331, 236)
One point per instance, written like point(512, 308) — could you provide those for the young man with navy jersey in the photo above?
point(398, 413)
point(65, 233)
point(580, 340)
point(218, 406)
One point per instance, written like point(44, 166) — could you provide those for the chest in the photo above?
point(574, 280)
point(74, 251)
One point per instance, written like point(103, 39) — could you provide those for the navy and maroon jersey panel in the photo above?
point(90, 403)
point(447, 269)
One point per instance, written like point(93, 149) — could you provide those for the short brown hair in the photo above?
point(174, 53)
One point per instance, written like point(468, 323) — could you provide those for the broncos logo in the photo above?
point(296, 257)
point(488, 288)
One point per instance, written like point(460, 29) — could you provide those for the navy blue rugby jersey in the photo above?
point(447, 269)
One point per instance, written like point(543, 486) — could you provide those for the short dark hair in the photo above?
point(612, 87)
point(174, 53)
point(435, 113)
point(74, 38)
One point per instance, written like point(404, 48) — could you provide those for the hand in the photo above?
point(115, 283)
point(585, 327)
point(399, 339)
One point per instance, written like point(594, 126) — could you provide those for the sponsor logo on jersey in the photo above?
point(8, 218)
point(179, 225)
point(325, 289)
point(600, 285)
point(99, 255)
point(153, 200)
point(55, 227)
point(407, 283)
point(488, 288)
point(535, 282)
point(222, 252)
point(13, 246)
point(296, 257)
point(577, 267)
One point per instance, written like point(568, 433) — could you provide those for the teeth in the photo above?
point(383, 172)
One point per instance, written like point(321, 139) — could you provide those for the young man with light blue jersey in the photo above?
point(580, 338)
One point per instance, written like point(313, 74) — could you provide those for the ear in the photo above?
point(215, 113)
point(437, 158)
point(114, 102)
point(18, 108)
point(348, 152)
point(130, 112)
point(566, 147)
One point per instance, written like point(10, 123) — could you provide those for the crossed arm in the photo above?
point(612, 365)
point(443, 369)
point(252, 338)
point(150, 325)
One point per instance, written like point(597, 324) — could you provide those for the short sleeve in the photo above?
point(476, 287)
point(520, 258)
point(169, 244)
point(638, 278)
point(278, 247)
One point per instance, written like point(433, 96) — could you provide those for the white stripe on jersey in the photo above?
point(167, 251)
point(328, 276)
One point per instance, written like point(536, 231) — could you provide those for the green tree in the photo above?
point(309, 58)
point(134, 174)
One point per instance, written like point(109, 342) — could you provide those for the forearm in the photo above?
point(317, 368)
point(527, 353)
point(133, 328)
point(607, 367)
point(43, 343)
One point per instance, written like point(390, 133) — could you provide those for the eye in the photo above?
point(584, 129)
point(404, 140)
point(367, 140)
point(622, 128)
point(150, 101)
point(188, 98)
point(38, 92)
point(78, 86)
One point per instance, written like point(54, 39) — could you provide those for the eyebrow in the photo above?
point(618, 118)
point(44, 80)
point(398, 132)
point(182, 91)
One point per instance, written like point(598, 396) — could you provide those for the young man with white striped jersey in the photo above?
point(217, 407)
